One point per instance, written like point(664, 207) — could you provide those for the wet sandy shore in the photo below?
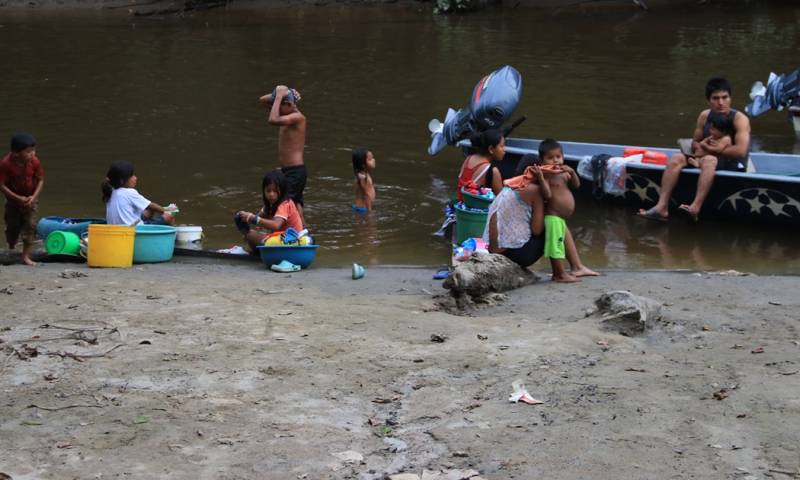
point(210, 371)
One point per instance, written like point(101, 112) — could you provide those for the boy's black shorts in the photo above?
point(21, 222)
point(295, 181)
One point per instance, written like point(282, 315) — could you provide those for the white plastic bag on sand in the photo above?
point(520, 394)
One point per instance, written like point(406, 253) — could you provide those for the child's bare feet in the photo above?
point(583, 271)
point(29, 262)
point(565, 278)
point(560, 274)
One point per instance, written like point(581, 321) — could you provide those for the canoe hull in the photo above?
point(736, 196)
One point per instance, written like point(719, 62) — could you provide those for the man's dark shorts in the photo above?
point(732, 164)
point(728, 164)
point(21, 222)
point(295, 182)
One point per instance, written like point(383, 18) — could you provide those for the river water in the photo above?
point(177, 96)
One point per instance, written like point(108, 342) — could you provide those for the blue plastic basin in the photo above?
point(299, 255)
point(78, 226)
point(154, 243)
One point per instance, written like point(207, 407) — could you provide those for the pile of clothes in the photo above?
point(289, 237)
point(483, 192)
point(468, 247)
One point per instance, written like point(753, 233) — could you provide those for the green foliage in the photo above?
point(453, 6)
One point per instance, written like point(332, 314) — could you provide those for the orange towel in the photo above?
point(551, 168)
point(528, 176)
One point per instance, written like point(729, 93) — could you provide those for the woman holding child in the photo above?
point(516, 225)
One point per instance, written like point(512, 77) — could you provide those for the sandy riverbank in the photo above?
point(232, 372)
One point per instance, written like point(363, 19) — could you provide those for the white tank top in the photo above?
point(513, 219)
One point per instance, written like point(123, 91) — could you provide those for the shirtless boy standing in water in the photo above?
point(283, 112)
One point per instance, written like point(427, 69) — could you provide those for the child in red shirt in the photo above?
point(21, 181)
point(278, 213)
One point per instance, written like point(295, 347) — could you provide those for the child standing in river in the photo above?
point(363, 164)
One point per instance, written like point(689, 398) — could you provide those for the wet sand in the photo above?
point(229, 371)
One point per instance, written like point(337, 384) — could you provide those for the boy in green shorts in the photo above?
point(561, 178)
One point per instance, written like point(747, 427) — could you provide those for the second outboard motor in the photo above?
point(779, 92)
point(493, 101)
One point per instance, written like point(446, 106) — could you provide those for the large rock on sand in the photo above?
point(486, 273)
point(627, 313)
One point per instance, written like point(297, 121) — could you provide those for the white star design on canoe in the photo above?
point(755, 204)
point(641, 191)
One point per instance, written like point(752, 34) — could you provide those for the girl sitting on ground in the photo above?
point(278, 213)
point(490, 146)
point(363, 164)
point(124, 204)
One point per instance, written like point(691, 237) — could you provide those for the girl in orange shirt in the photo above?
point(278, 213)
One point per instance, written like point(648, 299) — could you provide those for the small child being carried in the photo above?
point(720, 134)
point(125, 205)
point(363, 164)
point(278, 213)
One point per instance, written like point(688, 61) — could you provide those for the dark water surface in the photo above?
point(177, 96)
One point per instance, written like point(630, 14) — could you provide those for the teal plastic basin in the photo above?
point(154, 243)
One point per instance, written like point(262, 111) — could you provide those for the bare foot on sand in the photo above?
point(565, 278)
point(583, 272)
point(29, 262)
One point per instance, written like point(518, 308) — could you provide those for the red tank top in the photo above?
point(467, 178)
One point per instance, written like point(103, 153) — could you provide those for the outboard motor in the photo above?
point(794, 113)
point(779, 92)
point(493, 101)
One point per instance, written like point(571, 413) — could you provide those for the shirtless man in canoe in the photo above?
point(720, 156)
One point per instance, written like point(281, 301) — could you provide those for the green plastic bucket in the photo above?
point(475, 201)
point(60, 242)
point(469, 224)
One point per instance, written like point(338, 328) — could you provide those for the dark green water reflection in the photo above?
point(177, 97)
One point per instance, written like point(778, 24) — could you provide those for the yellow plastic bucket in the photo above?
point(110, 246)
